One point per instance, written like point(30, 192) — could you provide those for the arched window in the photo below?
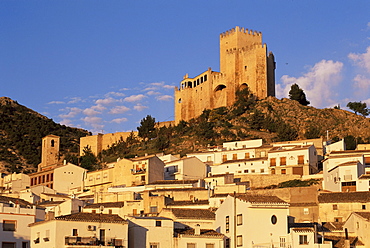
point(52, 143)
point(220, 87)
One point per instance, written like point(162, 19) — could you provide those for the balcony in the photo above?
point(138, 171)
point(93, 242)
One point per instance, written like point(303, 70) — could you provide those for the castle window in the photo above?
point(220, 87)
point(179, 100)
point(189, 84)
point(52, 143)
point(198, 81)
point(205, 78)
point(201, 80)
point(195, 83)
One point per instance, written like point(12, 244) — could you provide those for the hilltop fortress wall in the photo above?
point(243, 62)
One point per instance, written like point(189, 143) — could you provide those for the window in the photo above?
point(262, 170)
point(8, 245)
point(209, 158)
point(227, 243)
point(153, 209)
point(9, 225)
point(283, 171)
point(235, 156)
point(90, 178)
point(93, 211)
point(210, 245)
point(98, 177)
point(273, 219)
point(239, 219)
point(47, 235)
point(158, 223)
point(25, 244)
point(283, 161)
point(110, 211)
point(247, 155)
point(282, 242)
point(272, 171)
point(227, 222)
point(154, 245)
point(224, 158)
point(105, 175)
point(306, 211)
point(303, 240)
point(74, 232)
point(363, 207)
point(272, 161)
point(300, 159)
point(190, 245)
point(335, 207)
point(239, 240)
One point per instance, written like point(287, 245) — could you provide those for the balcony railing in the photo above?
point(273, 245)
point(138, 171)
point(76, 241)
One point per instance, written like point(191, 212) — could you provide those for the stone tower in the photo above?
point(50, 152)
point(244, 61)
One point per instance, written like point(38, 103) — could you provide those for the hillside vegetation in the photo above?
point(270, 119)
point(21, 132)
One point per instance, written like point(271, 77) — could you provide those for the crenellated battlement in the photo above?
point(245, 48)
point(240, 30)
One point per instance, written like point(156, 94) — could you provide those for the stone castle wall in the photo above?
point(243, 62)
point(100, 142)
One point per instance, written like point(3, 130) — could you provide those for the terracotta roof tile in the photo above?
point(106, 205)
point(185, 213)
point(344, 197)
point(260, 198)
point(365, 215)
point(21, 202)
point(333, 226)
point(203, 232)
point(338, 242)
point(92, 217)
point(179, 203)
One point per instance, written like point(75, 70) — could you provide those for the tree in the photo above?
point(298, 95)
point(244, 100)
point(147, 128)
point(89, 161)
point(358, 107)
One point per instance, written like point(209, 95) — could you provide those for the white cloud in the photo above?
point(151, 93)
point(56, 102)
point(119, 120)
point(362, 82)
point(75, 100)
point(140, 107)
point(119, 110)
point(134, 98)
point(158, 85)
point(362, 60)
point(106, 101)
point(72, 112)
point(90, 111)
point(318, 83)
point(164, 98)
point(94, 122)
point(112, 93)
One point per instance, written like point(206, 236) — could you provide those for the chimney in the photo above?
point(197, 230)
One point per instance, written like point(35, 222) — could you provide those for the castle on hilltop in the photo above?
point(244, 62)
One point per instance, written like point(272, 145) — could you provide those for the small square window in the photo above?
point(335, 207)
point(363, 207)
point(158, 223)
point(239, 219)
point(303, 240)
point(9, 225)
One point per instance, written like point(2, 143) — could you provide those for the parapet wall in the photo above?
point(100, 142)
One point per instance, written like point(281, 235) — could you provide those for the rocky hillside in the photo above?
point(21, 131)
point(304, 119)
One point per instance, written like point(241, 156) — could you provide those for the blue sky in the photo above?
point(105, 65)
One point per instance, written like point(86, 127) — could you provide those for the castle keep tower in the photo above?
point(243, 62)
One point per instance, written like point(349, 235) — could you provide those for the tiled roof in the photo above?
point(21, 202)
point(92, 217)
point(203, 232)
point(142, 158)
point(365, 215)
point(303, 229)
point(303, 204)
point(339, 242)
point(180, 203)
point(245, 160)
point(365, 176)
point(260, 198)
point(106, 205)
point(185, 213)
point(179, 189)
point(50, 203)
point(333, 226)
point(344, 197)
point(175, 181)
